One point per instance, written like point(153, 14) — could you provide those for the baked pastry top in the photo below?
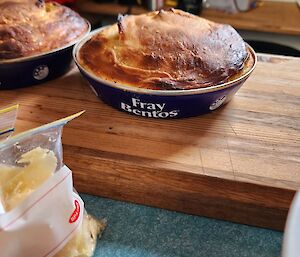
point(165, 50)
point(30, 27)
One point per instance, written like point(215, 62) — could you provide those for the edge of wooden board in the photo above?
point(242, 202)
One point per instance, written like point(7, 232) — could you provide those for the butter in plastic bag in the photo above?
point(27, 161)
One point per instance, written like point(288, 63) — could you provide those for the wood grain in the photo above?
point(239, 163)
point(274, 17)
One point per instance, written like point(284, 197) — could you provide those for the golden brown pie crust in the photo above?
point(31, 27)
point(166, 50)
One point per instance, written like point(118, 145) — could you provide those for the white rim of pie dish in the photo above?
point(43, 54)
point(133, 89)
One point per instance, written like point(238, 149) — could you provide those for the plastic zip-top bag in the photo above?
point(41, 215)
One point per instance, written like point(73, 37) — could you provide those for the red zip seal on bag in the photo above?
point(76, 213)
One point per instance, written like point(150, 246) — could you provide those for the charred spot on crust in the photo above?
point(120, 21)
point(40, 3)
point(152, 60)
point(166, 84)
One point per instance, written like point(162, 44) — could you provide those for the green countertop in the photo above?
point(140, 231)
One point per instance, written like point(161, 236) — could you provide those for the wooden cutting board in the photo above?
point(239, 163)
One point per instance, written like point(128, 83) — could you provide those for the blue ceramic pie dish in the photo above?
point(162, 104)
point(32, 70)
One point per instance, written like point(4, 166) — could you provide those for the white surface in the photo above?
point(291, 239)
